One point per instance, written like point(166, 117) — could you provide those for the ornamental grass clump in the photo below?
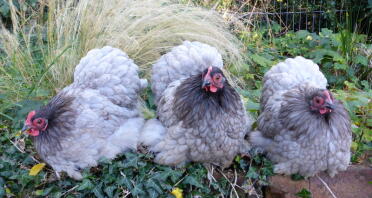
point(42, 48)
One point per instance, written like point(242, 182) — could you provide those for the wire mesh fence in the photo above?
point(311, 15)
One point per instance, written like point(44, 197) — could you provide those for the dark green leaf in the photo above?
point(85, 185)
point(152, 193)
point(261, 60)
point(98, 192)
point(192, 181)
point(252, 173)
point(297, 177)
point(110, 190)
point(126, 182)
point(138, 190)
point(304, 193)
point(340, 66)
point(361, 60)
point(152, 184)
point(131, 161)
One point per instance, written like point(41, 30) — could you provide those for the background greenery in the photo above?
point(32, 48)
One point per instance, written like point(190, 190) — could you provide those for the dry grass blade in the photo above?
point(326, 185)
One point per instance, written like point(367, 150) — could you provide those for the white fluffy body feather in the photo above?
point(103, 117)
point(296, 139)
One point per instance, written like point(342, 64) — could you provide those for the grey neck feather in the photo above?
point(296, 115)
point(61, 118)
point(194, 105)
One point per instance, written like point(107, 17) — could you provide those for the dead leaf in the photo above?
point(36, 169)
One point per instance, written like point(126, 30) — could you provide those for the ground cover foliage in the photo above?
point(39, 49)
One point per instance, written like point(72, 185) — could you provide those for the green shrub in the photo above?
point(337, 54)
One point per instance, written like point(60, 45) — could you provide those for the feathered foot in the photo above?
point(245, 148)
point(282, 168)
point(57, 174)
point(74, 174)
point(210, 170)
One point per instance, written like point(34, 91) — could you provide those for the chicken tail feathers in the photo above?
point(152, 133)
point(110, 71)
point(258, 140)
point(295, 71)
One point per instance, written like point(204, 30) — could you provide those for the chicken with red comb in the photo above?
point(302, 127)
point(201, 117)
point(95, 117)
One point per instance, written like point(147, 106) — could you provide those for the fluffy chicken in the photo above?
point(303, 128)
point(95, 117)
point(200, 116)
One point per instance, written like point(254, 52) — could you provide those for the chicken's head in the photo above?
point(322, 102)
point(213, 79)
point(35, 124)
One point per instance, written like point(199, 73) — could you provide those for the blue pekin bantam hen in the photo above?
point(95, 117)
point(303, 128)
point(201, 117)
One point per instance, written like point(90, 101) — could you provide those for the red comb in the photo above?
point(29, 117)
point(326, 93)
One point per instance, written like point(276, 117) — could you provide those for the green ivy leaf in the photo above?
point(4, 10)
point(152, 184)
point(98, 192)
point(297, 177)
point(261, 60)
point(192, 181)
point(319, 55)
point(175, 175)
point(138, 190)
point(86, 185)
point(302, 34)
point(304, 193)
point(110, 190)
point(2, 190)
point(131, 161)
point(152, 193)
point(252, 173)
point(39, 192)
point(340, 66)
point(358, 59)
point(44, 192)
point(126, 182)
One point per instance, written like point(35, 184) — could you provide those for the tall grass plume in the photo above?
point(42, 49)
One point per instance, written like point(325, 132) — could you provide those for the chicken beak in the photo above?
point(25, 128)
point(329, 105)
point(206, 83)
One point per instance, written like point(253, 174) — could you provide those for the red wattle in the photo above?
point(33, 132)
point(213, 89)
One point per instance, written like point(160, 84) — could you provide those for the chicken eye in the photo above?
point(217, 77)
point(318, 100)
point(38, 121)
